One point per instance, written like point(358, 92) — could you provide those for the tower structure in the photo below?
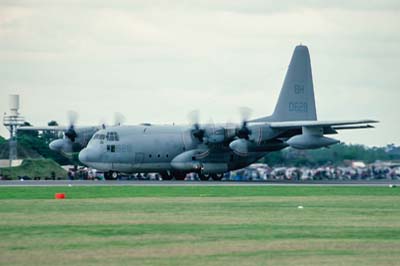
point(12, 121)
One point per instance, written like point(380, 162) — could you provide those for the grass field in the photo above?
point(35, 167)
point(200, 226)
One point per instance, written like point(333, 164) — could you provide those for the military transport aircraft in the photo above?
point(174, 150)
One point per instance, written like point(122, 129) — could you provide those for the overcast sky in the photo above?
point(155, 61)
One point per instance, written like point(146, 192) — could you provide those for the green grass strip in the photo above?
point(82, 192)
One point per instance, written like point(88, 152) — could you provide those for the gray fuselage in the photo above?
point(152, 148)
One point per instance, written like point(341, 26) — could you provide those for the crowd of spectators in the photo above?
point(256, 172)
point(351, 172)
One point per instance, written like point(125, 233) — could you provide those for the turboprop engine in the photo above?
point(64, 145)
point(67, 144)
point(240, 146)
point(311, 138)
point(192, 161)
point(189, 160)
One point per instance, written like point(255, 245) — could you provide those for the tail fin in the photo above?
point(296, 100)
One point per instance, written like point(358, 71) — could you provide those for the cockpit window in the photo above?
point(112, 136)
point(99, 136)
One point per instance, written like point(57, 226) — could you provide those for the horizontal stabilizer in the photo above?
point(352, 127)
point(297, 124)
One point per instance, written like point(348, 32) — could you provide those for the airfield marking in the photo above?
point(17, 183)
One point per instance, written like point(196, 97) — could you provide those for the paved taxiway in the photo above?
point(377, 183)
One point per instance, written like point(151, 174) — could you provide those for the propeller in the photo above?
point(241, 145)
point(243, 132)
point(72, 118)
point(197, 131)
point(119, 119)
point(245, 113)
point(67, 144)
point(200, 133)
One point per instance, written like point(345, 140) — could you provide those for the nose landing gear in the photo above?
point(111, 175)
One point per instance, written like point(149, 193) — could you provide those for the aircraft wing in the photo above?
point(44, 128)
point(343, 124)
point(55, 128)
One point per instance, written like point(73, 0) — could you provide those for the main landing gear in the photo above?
point(180, 176)
point(215, 177)
point(114, 175)
point(174, 175)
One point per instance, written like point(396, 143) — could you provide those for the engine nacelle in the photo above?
point(189, 160)
point(306, 141)
point(65, 145)
point(214, 168)
point(240, 147)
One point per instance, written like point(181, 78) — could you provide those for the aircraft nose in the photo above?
point(87, 155)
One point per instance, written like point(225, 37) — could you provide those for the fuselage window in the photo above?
point(111, 148)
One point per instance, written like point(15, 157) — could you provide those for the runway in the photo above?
point(62, 183)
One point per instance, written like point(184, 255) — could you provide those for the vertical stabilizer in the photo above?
point(296, 100)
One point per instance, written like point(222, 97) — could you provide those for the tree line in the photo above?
point(334, 155)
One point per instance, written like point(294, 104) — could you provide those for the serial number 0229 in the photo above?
point(299, 107)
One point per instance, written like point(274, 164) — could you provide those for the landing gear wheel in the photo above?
point(179, 176)
point(204, 177)
point(114, 175)
point(166, 177)
point(107, 175)
point(217, 177)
